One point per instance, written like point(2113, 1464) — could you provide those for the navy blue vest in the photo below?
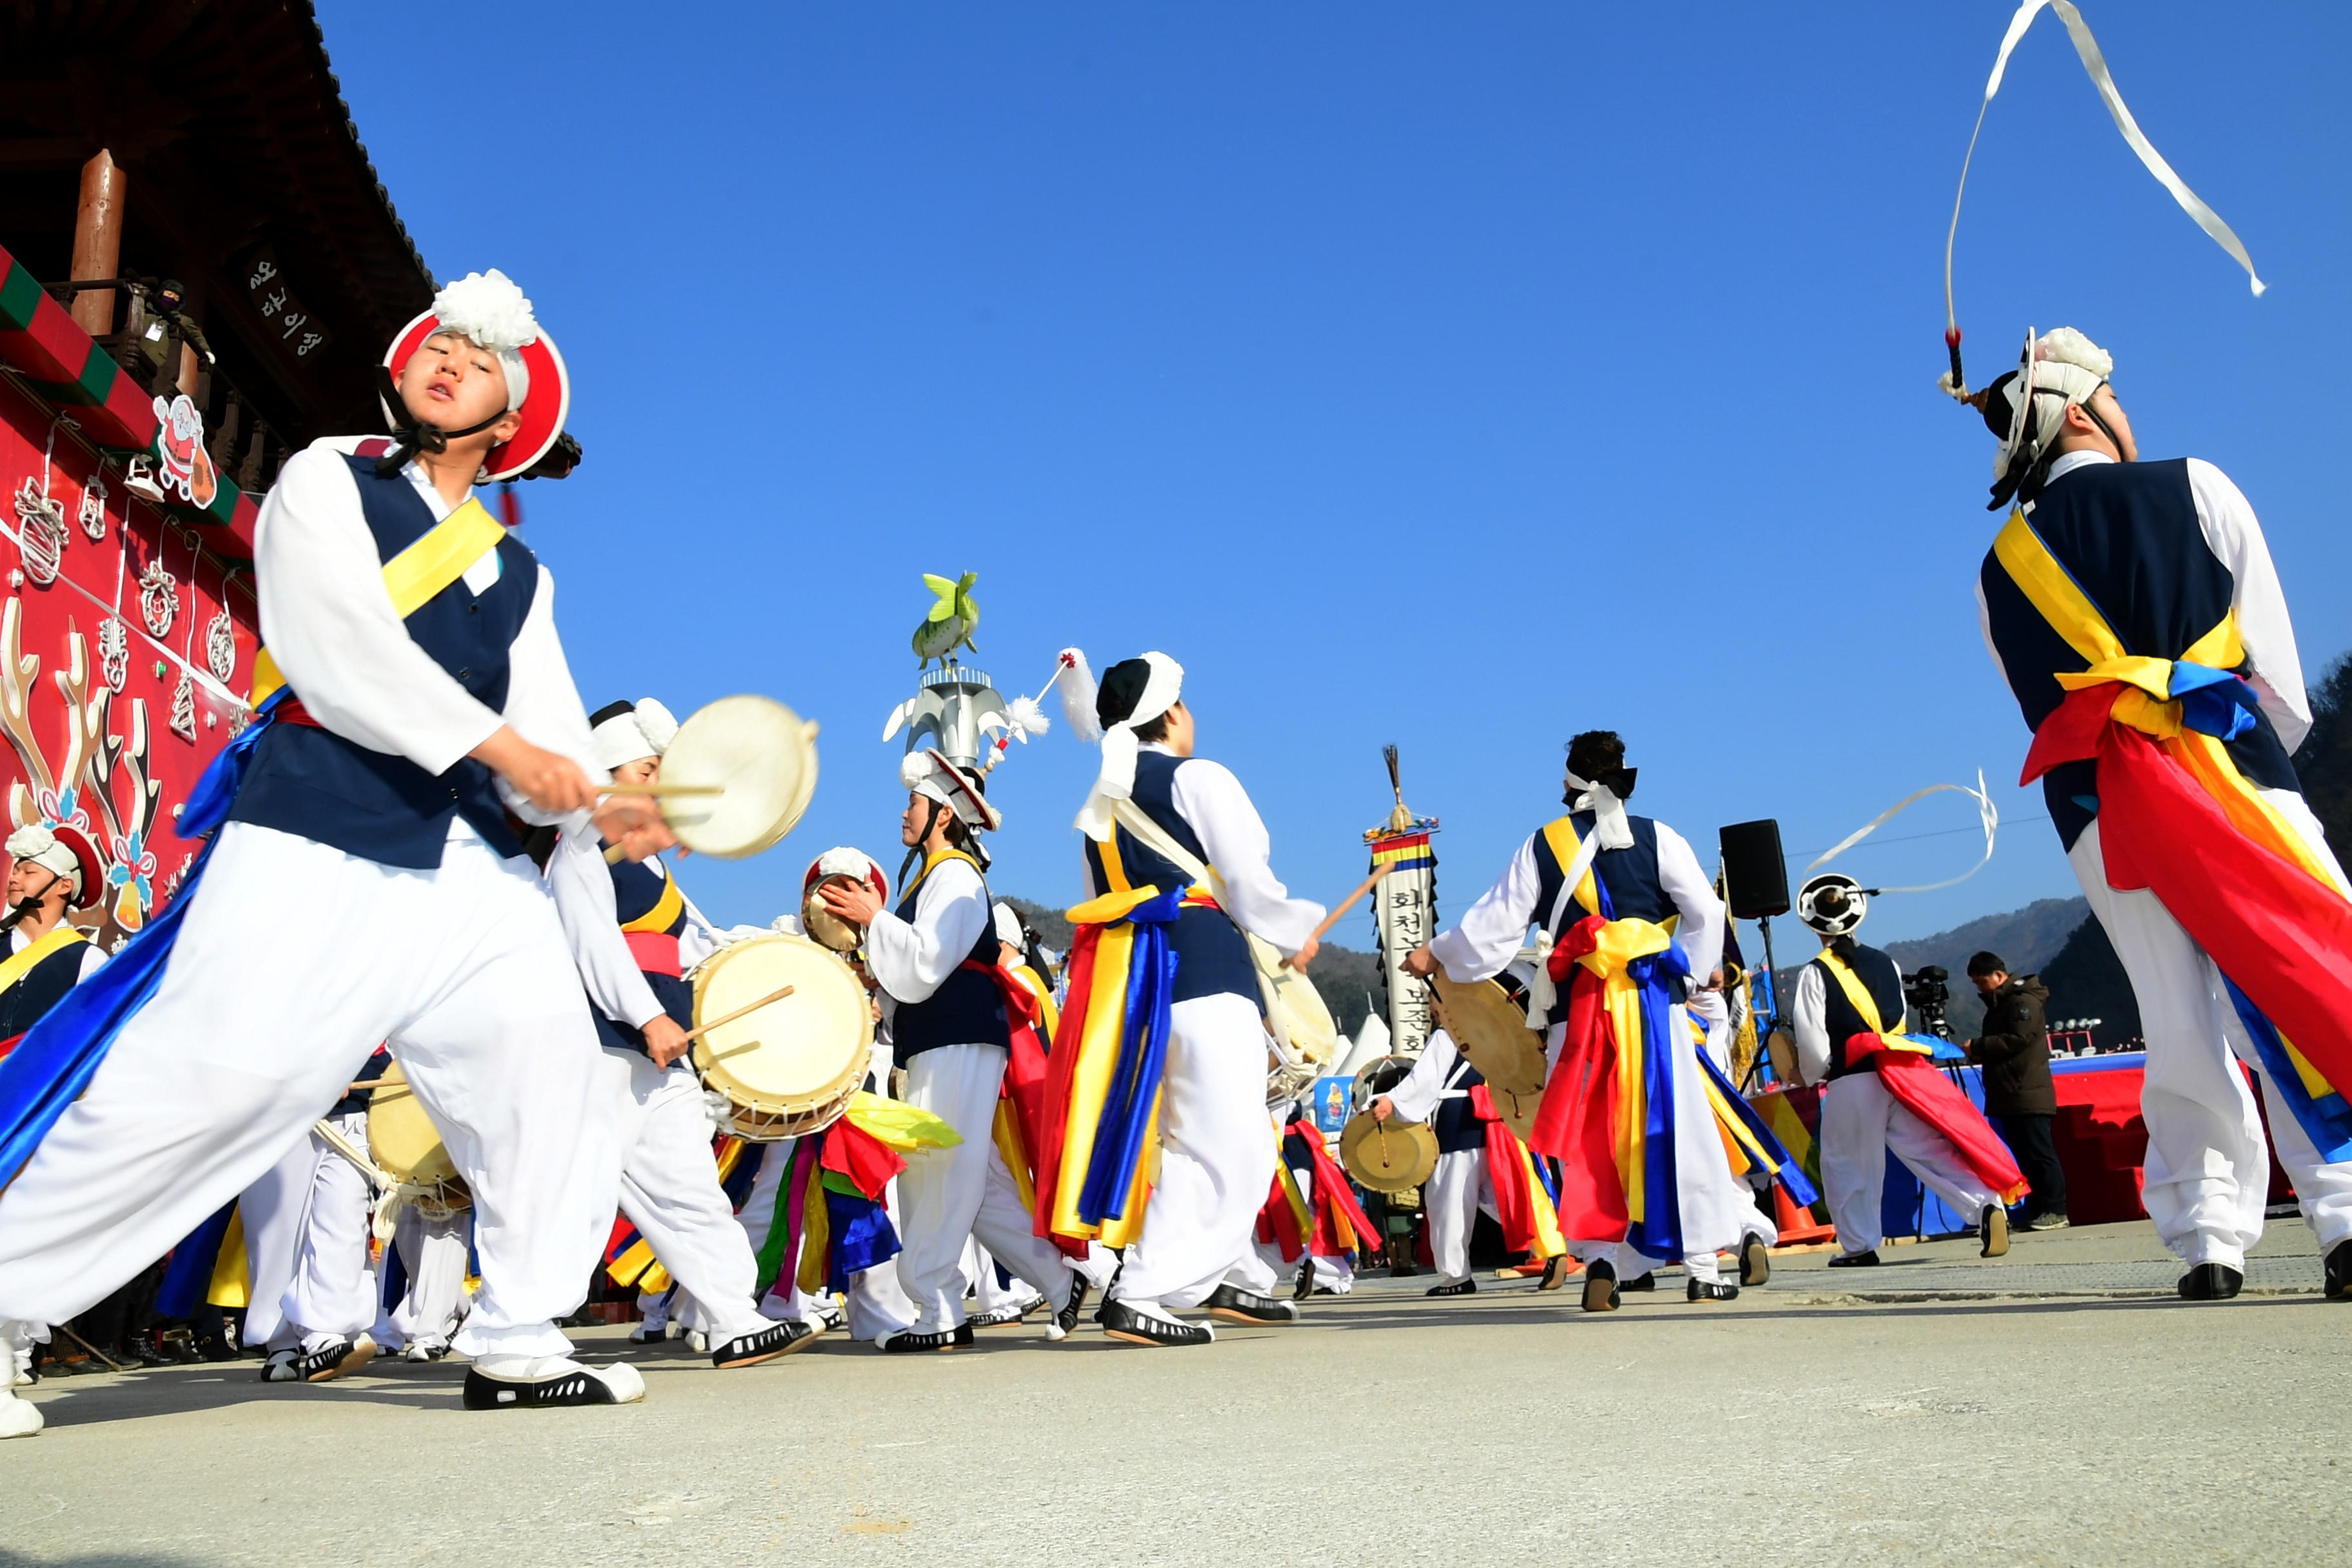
point(1883, 978)
point(1212, 958)
point(42, 987)
point(1629, 876)
point(637, 886)
point(311, 782)
point(966, 1010)
point(1457, 1126)
point(2128, 536)
point(356, 1100)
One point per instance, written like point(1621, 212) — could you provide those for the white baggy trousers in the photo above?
point(946, 1195)
point(1860, 1122)
point(294, 963)
point(1217, 1155)
point(670, 1191)
point(1457, 1190)
point(334, 1290)
point(2207, 1172)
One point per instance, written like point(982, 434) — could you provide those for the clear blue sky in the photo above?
point(1460, 377)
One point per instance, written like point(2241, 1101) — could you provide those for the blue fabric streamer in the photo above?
point(2212, 701)
point(860, 1234)
point(1785, 1169)
point(1142, 1054)
point(190, 1276)
point(2328, 1120)
point(1659, 1232)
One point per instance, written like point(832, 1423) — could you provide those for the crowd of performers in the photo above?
point(434, 844)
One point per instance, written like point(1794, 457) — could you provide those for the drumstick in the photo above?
point(1340, 911)
point(701, 1029)
point(658, 790)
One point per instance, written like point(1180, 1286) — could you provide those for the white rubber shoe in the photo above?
point(499, 1383)
point(18, 1418)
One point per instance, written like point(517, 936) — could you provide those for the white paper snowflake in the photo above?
point(159, 599)
point(220, 646)
point(114, 653)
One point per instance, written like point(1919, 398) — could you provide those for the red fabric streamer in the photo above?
point(1334, 1199)
point(868, 1163)
point(1577, 1122)
point(1053, 1114)
point(1923, 1090)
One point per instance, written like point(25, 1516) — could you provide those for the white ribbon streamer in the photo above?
point(1987, 811)
point(2096, 64)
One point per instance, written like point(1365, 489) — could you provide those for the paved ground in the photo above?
point(1929, 1418)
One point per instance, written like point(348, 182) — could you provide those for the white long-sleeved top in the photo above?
point(329, 623)
point(1491, 931)
point(2235, 535)
point(911, 958)
point(1809, 1022)
point(1417, 1095)
point(583, 885)
point(1220, 813)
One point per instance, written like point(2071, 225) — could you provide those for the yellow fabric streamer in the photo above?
point(1098, 1061)
point(232, 1280)
point(1619, 943)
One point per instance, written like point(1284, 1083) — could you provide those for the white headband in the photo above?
point(1008, 926)
point(2060, 371)
point(1161, 690)
point(44, 848)
point(645, 730)
point(1610, 828)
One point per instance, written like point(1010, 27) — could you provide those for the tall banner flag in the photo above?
point(1404, 906)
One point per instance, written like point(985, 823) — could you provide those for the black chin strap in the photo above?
point(413, 436)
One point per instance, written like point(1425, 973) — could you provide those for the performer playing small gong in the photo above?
point(935, 958)
point(635, 935)
point(1634, 924)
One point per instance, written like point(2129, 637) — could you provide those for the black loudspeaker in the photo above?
point(1756, 875)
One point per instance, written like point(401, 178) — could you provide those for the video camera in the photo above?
point(1928, 992)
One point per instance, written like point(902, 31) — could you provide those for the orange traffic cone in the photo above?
point(1798, 1227)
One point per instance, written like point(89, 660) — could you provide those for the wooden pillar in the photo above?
point(98, 242)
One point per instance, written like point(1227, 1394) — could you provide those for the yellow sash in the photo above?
point(1561, 837)
point(19, 964)
point(937, 858)
point(413, 577)
point(665, 910)
point(1858, 996)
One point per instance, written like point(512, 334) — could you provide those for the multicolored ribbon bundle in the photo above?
point(1746, 1140)
point(1527, 1196)
point(1333, 1224)
point(830, 1212)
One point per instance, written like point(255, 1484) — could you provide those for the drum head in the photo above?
point(760, 754)
point(797, 1054)
point(401, 1138)
point(1782, 1049)
point(1307, 1023)
point(1492, 1032)
point(827, 928)
point(1387, 1156)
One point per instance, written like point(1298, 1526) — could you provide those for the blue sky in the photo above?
point(1459, 377)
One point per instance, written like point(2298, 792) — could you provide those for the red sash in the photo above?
point(1936, 1101)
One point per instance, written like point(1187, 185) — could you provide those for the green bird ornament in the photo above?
point(952, 620)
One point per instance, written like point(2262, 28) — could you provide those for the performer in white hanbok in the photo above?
point(635, 936)
point(424, 698)
point(1634, 925)
point(316, 1327)
point(1176, 862)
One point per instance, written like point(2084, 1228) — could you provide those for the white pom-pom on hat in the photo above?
point(2064, 345)
point(658, 723)
point(489, 308)
point(1079, 692)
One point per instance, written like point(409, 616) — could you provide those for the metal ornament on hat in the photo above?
point(955, 706)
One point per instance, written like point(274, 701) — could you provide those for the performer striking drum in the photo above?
point(951, 1030)
point(428, 699)
point(1163, 829)
point(1879, 1093)
point(635, 935)
point(1633, 921)
point(2134, 610)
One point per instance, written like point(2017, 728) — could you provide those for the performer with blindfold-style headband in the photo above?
point(423, 704)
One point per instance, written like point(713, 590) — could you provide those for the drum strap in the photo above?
point(412, 578)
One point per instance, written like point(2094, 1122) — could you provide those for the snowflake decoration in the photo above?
point(184, 707)
point(114, 653)
point(92, 516)
point(41, 523)
point(159, 599)
point(220, 646)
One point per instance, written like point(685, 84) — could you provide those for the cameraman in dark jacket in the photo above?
point(2019, 1099)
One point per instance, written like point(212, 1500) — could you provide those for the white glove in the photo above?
point(720, 1108)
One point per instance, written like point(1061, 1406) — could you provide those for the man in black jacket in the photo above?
point(2019, 1099)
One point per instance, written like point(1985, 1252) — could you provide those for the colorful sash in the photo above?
point(1339, 1224)
point(57, 1057)
point(1607, 1111)
point(1019, 1125)
point(2179, 820)
point(1747, 1143)
point(1906, 1066)
point(1526, 1206)
point(831, 1212)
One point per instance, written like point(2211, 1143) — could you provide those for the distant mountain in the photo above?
point(2026, 939)
point(1348, 981)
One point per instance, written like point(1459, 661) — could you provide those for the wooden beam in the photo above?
point(97, 241)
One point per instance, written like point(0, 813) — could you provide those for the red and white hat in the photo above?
point(66, 850)
point(494, 314)
point(844, 861)
point(928, 773)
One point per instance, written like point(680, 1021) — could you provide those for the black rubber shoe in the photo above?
point(1121, 1321)
point(563, 1383)
point(1711, 1290)
point(2338, 1284)
point(1238, 1306)
point(341, 1359)
point(1001, 1318)
point(1306, 1286)
point(1554, 1273)
point(1994, 1224)
point(1064, 1320)
point(778, 1339)
point(1459, 1287)
point(1640, 1282)
point(1755, 1260)
point(2211, 1282)
point(908, 1342)
point(1601, 1293)
point(1855, 1260)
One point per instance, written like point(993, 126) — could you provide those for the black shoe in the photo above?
point(908, 1342)
point(1711, 1290)
point(141, 1350)
point(560, 1381)
point(1601, 1293)
point(1306, 1286)
point(1459, 1287)
point(1238, 1306)
point(1000, 1318)
point(2339, 1281)
point(2211, 1282)
point(178, 1347)
point(1994, 1226)
point(1121, 1321)
point(1855, 1260)
point(1755, 1260)
point(778, 1339)
point(1641, 1282)
point(1554, 1273)
point(1064, 1320)
point(339, 1358)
